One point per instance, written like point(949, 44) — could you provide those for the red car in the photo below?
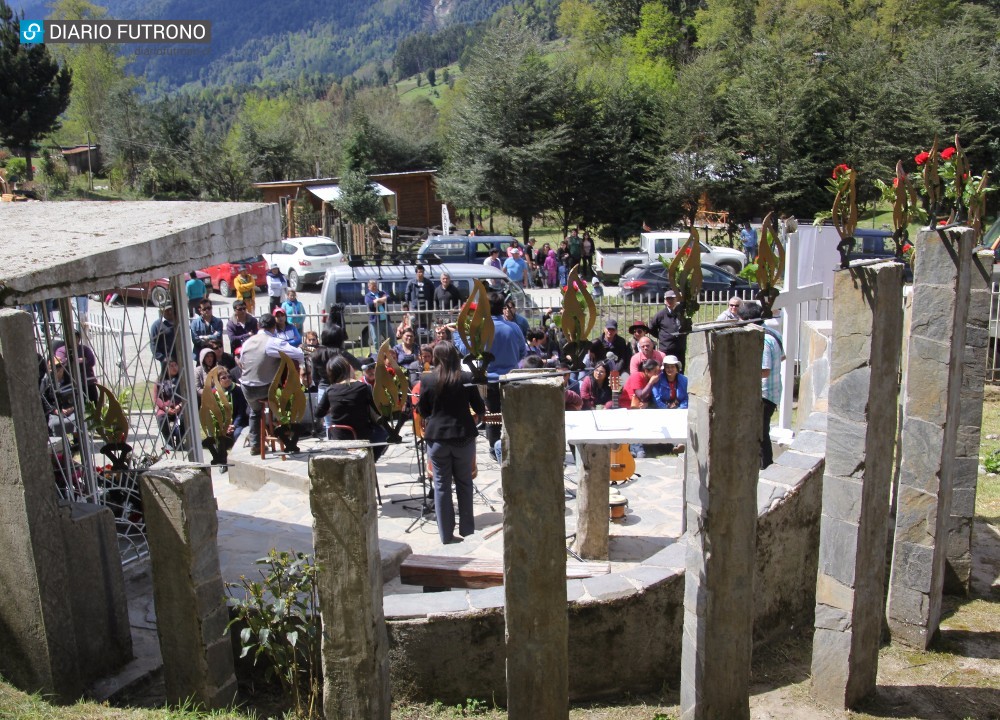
point(154, 292)
point(222, 275)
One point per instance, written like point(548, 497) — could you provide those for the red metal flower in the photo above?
point(895, 182)
point(840, 170)
point(947, 153)
point(922, 157)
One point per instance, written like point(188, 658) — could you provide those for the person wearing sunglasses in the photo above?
point(732, 311)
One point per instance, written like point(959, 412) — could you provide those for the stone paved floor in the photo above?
point(251, 521)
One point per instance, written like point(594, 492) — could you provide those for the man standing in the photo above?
point(667, 326)
point(420, 295)
point(615, 343)
point(240, 326)
point(446, 296)
point(195, 291)
point(206, 331)
point(378, 316)
point(530, 257)
point(748, 236)
point(770, 379)
point(515, 267)
point(575, 244)
point(162, 334)
point(261, 357)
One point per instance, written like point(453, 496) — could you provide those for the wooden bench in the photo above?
point(443, 571)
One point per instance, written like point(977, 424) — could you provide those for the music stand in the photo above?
point(425, 508)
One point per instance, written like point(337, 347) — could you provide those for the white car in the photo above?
point(305, 260)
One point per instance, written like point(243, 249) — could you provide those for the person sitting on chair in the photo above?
point(446, 398)
point(349, 404)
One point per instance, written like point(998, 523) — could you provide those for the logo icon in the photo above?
point(32, 32)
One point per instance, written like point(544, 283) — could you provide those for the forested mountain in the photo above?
point(286, 40)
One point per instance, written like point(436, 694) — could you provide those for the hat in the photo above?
point(671, 360)
point(611, 323)
point(274, 266)
point(638, 326)
point(515, 251)
point(596, 280)
point(278, 311)
point(669, 293)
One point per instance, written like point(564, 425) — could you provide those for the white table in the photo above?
point(589, 432)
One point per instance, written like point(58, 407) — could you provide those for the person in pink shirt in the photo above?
point(551, 270)
point(647, 351)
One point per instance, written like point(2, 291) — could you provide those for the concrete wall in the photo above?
point(450, 646)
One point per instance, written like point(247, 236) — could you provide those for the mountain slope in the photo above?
point(283, 40)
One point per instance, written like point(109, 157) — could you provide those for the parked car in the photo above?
point(305, 260)
point(611, 264)
point(874, 244)
point(648, 282)
point(462, 248)
point(344, 289)
point(155, 292)
point(222, 275)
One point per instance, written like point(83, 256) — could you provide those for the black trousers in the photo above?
point(492, 406)
point(766, 452)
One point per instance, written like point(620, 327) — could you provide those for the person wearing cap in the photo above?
point(670, 390)
point(261, 358)
point(162, 336)
point(276, 284)
point(596, 289)
point(647, 351)
point(614, 344)
point(638, 330)
point(515, 267)
point(240, 326)
point(732, 311)
point(245, 287)
point(666, 326)
point(284, 329)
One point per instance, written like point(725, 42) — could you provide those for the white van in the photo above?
point(344, 289)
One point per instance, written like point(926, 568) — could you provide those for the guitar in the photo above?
point(622, 462)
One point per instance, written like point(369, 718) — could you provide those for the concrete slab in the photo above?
point(78, 248)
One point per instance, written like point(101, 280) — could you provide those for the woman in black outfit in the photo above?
point(348, 402)
point(446, 397)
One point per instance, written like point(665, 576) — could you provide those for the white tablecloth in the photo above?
point(610, 427)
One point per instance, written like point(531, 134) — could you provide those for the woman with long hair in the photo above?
point(447, 403)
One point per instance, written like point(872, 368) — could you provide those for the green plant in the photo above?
point(749, 272)
point(992, 462)
point(279, 617)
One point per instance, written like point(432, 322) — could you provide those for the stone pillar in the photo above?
point(724, 425)
point(534, 550)
point(191, 614)
point(958, 572)
point(930, 431)
point(861, 439)
point(593, 471)
point(345, 537)
point(37, 640)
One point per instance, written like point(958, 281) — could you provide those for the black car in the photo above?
point(648, 282)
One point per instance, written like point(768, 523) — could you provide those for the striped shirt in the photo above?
point(770, 387)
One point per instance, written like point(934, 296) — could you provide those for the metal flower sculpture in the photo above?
point(577, 319)
point(390, 391)
point(216, 418)
point(844, 212)
point(977, 204)
point(684, 272)
point(962, 175)
point(107, 418)
point(475, 327)
point(904, 207)
point(286, 400)
point(933, 185)
point(770, 266)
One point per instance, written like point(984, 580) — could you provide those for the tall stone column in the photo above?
point(724, 425)
point(191, 614)
point(37, 647)
point(929, 433)
point(958, 572)
point(345, 536)
point(593, 470)
point(861, 435)
point(534, 550)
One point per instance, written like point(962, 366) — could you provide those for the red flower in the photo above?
point(947, 153)
point(922, 157)
point(895, 182)
point(840, 170)
point(473, 306)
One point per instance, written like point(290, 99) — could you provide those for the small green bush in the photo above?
point(992, 462)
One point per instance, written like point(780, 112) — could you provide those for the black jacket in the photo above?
point(447, 414)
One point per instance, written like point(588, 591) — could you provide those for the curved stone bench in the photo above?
point(625, 627)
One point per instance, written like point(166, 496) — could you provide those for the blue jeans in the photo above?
point(378, 330)
point(452, 461)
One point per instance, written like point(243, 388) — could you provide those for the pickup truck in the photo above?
point(610, 264)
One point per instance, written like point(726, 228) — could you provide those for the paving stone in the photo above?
point(602, 588)
point(810, 443)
